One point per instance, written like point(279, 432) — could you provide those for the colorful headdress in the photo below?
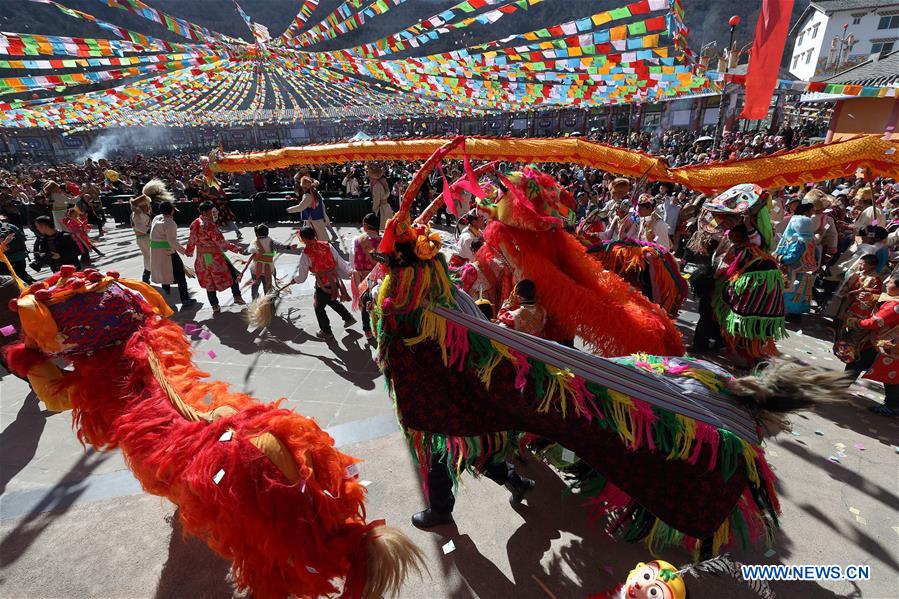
point(729, 208)
point(531, 200)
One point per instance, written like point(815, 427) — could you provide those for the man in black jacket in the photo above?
point(53, 248)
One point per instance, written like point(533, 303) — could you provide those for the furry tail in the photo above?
point(391, 558)
point(784, 387)
point(261, 310)
point(155, 189)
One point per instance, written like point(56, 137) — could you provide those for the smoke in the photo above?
point(127, 142)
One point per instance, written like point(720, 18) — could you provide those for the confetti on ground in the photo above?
point(211, 354)
point(218, 476)
point(449, 548)
point(896, 529)
point(859, 446)
point(799, 332)
point(772, 453)
point(819, 433)
point(770, 553)
point(204, 334)
point(226, 436)
point(860, 520)
point(834, 459)
point(854, 510)
point(796, 433)
point(190, 328)
point(352, 470)
point(8, 331)
point(365, 483)
point(840, 446)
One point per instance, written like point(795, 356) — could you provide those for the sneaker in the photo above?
point(325, 335)
point(430, 518)
point(240, 301)
point(216, 309)
point(519, 489)
point(348, 322)
point(189, 303)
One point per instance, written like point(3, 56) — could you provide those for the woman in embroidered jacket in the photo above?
point(879, 355)
point(214, 271)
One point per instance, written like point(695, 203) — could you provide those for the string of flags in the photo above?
point(637, 52)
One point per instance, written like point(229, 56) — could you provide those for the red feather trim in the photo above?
point(583, 299)
point(283, 538)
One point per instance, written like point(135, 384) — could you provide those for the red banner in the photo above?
point(765, 57)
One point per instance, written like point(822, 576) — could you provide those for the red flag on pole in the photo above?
point(764, 60)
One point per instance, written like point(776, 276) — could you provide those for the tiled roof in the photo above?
point(882, 71)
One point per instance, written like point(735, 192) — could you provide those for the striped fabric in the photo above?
point(696, 401)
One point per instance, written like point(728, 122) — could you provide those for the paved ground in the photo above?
point(75, 524)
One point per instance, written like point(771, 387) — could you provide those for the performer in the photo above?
point(622, 226)
point(214, 271)
point(798, 259)
point(59, 203)
point(619, 189)
point(652, 228)
point(474, 224)
point(861, 291)
point(264, 272)
point(165, 265)
point(364, 263)
point(321, 259)
point(311, 207)
point(140, 224)
point(878, 357)
point(76, 223)
point(521, 312)
point(749, 301)
point(380, 194)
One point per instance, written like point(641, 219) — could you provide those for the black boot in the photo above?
point(146, 277)
point(430, 518)
point(518, 488)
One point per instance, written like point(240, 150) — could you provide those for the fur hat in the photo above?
point(864, 193)
point(619, 182)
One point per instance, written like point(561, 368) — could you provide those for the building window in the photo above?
point(799, 41)
point(856, 20)
point(795, 60)
point(808, 57)
point(815, 31)
point(888, 22)
point(881, 47)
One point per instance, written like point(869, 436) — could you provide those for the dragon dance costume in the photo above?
point(262, 485)
point(464, 389)
point(648, 267)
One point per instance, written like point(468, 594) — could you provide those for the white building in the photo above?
point(844, 31)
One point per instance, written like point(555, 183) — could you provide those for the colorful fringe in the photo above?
point(638, 425)
point(631, 259)
point(750, 310)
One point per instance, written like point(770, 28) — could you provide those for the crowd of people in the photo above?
point(829, 243)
